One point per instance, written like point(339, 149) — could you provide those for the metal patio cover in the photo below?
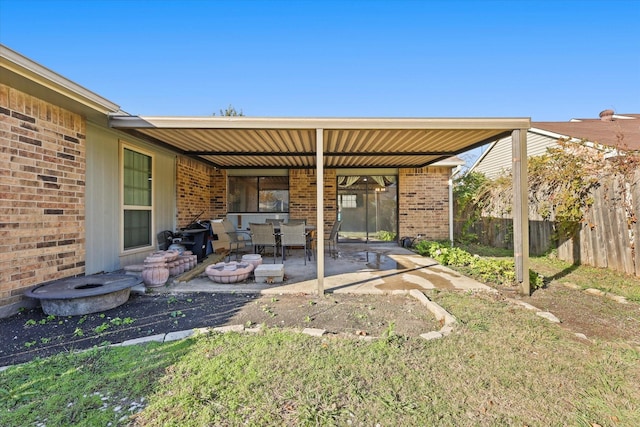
point(249, 142)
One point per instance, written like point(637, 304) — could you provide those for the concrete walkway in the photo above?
point(374, 268)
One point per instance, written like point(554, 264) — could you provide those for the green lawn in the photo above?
point(502, 366)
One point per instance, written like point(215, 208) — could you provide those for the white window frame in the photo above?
point(348, 201)
point(127, 146)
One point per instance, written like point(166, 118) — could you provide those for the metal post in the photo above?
point(366, 210)
point(320, 209)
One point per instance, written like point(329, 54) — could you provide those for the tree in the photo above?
point(230, 111)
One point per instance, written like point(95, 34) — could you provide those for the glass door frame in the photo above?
point(363, 185)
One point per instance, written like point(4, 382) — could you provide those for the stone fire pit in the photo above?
point(77, 296)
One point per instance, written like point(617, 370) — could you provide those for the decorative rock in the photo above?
point(526, 305)
point(179, 335)
point(314, 332)
point(433, 335)
point(617, 298)
point(135, 341)
point(229, 328)
point(549, 316)
point(446, 330)
point(594, 291)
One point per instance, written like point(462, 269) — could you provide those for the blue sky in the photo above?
point(548, 60)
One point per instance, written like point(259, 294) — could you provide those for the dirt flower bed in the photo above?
point(32, 333)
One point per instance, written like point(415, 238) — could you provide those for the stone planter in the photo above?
point(230, 272)
point(254, 259)
point(155, 271)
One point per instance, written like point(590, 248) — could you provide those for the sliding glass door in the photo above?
point(368, 207)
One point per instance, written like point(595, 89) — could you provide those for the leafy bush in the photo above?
point(386, 236)
point(498, 271)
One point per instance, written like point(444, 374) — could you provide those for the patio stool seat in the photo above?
point(269, 273)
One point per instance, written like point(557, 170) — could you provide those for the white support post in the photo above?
point(521, 209)
point(320, 209)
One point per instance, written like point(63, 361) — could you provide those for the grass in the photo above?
point(560, 271)
point(97, 387)
point(502, 366)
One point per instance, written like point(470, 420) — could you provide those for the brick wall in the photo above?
point(423, 197)
point(42, 193)
point(423, 202)
point(218, 194)
point(193, 189)
point(302, 196)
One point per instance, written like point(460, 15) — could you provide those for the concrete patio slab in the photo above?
point(374, 268)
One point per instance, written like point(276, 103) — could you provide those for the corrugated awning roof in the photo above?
point(248, 142)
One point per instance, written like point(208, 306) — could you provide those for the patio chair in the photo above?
point(276, 222)
point(263, 235)
point(332, 241)
point(230, 236)
point(293, 235)
point(294, 221)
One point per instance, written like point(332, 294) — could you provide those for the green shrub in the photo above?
point(498, 271)
point(386, 236)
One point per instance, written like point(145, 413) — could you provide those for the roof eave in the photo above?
point(22, 66)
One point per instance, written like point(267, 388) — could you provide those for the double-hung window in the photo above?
point(137, 198)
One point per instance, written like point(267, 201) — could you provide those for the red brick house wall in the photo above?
point(42, 193)
point(423, 197)
point(302, 196)
point(218, 196)
point(193, 190)
point(423, 202)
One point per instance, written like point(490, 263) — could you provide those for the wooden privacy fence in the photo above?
point(609, 236)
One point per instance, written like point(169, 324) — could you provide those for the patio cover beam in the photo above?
point(313, 153)
point(243, 122)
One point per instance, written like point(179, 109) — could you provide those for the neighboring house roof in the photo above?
point(618, 131)
point(622, 132)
